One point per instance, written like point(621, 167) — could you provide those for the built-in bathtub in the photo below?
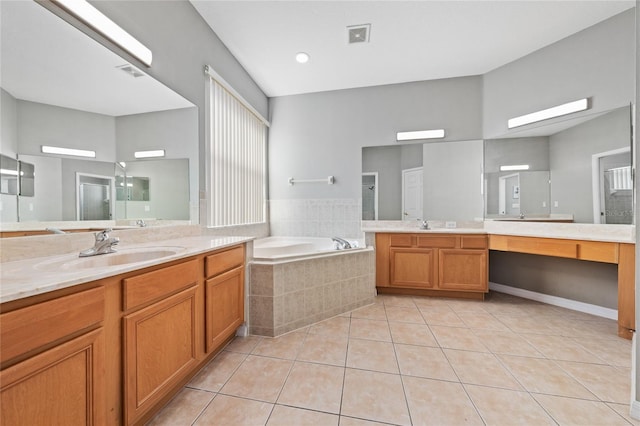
point(297, 281)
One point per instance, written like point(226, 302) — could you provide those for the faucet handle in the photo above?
point(103, 235)
point(424, 224)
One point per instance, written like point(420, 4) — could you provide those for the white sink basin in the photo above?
point(121, 257)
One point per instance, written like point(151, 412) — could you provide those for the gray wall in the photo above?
point(386, 161)
point(182, 44)
point(452, 177)
point(176, 131)
point(533, 151)
point(321, 134)
point(588, 282)
point(41, 124)
point(46, 204)
point(597, 62)
point(570, 153)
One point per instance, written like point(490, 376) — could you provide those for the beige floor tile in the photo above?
point(216, 373)
point(412, 334)
point(482, 321)
point(393, 300)
point(324, 349)
point(525, 323)
point(243, 344)
point(258, 378)
point(313, 386)
point(457, 338)
point(288, 416)
point(571, 411)
point(561, 348)
point(608, 383)
point(372, 355)
point(506, 342)
point(369, 329)
point(467, 306)
point(623, 410)
point(544, 376)
point(480, 368)
point(374, 312)
point(229, 410)
point(442, 317)
point(402, 314)
point(439, 403)
point(507, 407)
point(431, 302)
point(183, 409)
point(424, 361)
point(336, 326)
point(365, 390)
point(350, 421)
point(614, 350)
point(286, 346)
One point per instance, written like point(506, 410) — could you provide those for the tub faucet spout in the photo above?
point(342, 243)
point(103, 244)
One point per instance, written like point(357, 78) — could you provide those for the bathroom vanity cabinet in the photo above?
point(115, 350)
point(438, 264)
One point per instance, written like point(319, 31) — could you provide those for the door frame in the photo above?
point(595, 179)
point(404, 172)
point(375, 192)
point(112, 192)
point(502, 192)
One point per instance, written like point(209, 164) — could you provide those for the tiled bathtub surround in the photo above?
point(316, 217)
point(287, 296)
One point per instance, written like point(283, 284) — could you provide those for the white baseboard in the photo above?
point(556, 301)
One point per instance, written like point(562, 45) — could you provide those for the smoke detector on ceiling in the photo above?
point(359, 33)
point(131, 70)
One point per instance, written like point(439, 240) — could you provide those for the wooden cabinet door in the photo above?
point(224, 311)
point(160, 349)
point(463, 270)
point(61, 386)
point(413, 267)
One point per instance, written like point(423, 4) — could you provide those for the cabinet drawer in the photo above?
point(401, 240)
point(153, 285)
point(224, 261)
point(473, 242)
point(543, 246)
point(598, 251)
point(29, 328)
point(439, 241)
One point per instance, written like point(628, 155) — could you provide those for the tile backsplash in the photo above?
point(325, 217)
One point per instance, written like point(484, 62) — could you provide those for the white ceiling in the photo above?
point(44, 59)
point(410, 40)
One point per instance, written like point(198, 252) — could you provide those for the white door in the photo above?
point(412, 194)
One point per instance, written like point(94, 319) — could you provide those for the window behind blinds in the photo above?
point(236, 157)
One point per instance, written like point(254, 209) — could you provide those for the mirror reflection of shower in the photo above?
point(370, 196)
point(94, 197)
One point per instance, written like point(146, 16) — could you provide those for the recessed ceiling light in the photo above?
point(302, 57)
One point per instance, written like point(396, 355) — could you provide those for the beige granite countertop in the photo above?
point(427, 231)
point(30, 277)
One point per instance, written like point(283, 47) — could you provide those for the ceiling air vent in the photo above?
point(359, 33)
point(130, 69)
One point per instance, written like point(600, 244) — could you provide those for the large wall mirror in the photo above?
point(436, 181)
point(576, 170)
point(61, 88)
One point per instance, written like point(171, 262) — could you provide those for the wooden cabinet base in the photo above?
point(433, 293)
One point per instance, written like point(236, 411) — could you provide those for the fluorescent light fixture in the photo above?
point(122, 164)
point(302, 57)
point(97, 21)
point(149, 154)
point(8, 172)
point(545, 114)
point(420, 134)
point(514, 167)
point(68, 151)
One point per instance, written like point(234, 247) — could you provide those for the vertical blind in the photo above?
point(236, 160)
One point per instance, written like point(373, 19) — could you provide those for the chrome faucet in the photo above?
point(521, 215)
point(424, 224)
point(342, 243)
point(103, 245)
point(141, 223)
